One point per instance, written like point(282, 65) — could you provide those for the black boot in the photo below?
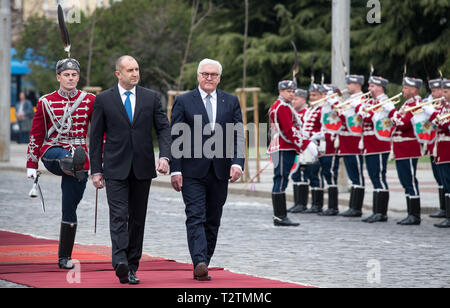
point(442, 210)
point(332, 202)
point(381, 208)
point(317, 202)
point(350, 202)
point(408, 209)
point(446, 222)
point(413, 213)
point(301, 192)
point(374, 206)
point(66, 241)
point(280, 213)
point(74, 166)
point(356, 203)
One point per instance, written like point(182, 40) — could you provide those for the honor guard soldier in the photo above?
point(329, 159)
point(407, 149)
point(435, 86)
point(376, 146)
point(312, 128)
point(300, 176)
point(287, 141)
point(349, 139)
point(58, 139)
point(441, 118)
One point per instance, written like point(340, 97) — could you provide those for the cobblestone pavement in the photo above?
point(322, 251)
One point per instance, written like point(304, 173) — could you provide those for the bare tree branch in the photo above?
point(194, 24)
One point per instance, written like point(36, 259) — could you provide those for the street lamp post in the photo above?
point(5, 78)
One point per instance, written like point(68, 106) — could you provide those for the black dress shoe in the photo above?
point(201, 272)
point(122, 272)
point(132, 278)
point(65, 263)
point(314, 209)
point(351, 213)
point(443, 224)
point(438, 214)
point(369, 218)
point(410, 221)
point(208, 278)
point(284, 222)
point(377, 218)
point(299, 208)
point(329, 212)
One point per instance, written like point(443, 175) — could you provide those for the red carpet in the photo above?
point(31, 261)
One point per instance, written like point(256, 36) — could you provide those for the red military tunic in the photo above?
point(313, 126)
point(349, 140)
point(302, 112)
point(405, 141)
point(286, 128)
point(311, 121)
point(442, 153)
point(371, 144)
point(50, 110)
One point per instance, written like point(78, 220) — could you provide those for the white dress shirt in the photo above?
point(123, 96)
point(213, 100)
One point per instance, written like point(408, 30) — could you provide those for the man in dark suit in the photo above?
point(207, 153)
point(126, 114)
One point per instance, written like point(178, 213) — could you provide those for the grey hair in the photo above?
point(209, 61)
point(120, 59)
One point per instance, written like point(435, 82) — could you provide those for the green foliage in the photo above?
point(156, 32)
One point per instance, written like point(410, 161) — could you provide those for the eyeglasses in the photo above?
point(207, 75)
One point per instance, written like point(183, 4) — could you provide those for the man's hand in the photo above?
point(177, 182)
point(98, 181)
point(162, 166)
point(235, 174)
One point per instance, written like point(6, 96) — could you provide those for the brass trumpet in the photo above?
point(324, 99)
point(443, 118)
point(423, 104)
point(364, 97)
point(394, 99)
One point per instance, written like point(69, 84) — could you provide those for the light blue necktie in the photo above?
point(208, 106)
point(128, 106)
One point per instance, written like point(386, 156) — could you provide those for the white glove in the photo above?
point(318, 136)
point(31, 173)
point(349, 112)
point(429, 109)
point(312, 149)
point(389, 107)
point(355, 103)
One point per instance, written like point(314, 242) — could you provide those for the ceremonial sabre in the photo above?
point(36, 191)
point(95, 216)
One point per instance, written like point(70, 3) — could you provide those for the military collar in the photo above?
point(66, 94)
point(283, 101)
